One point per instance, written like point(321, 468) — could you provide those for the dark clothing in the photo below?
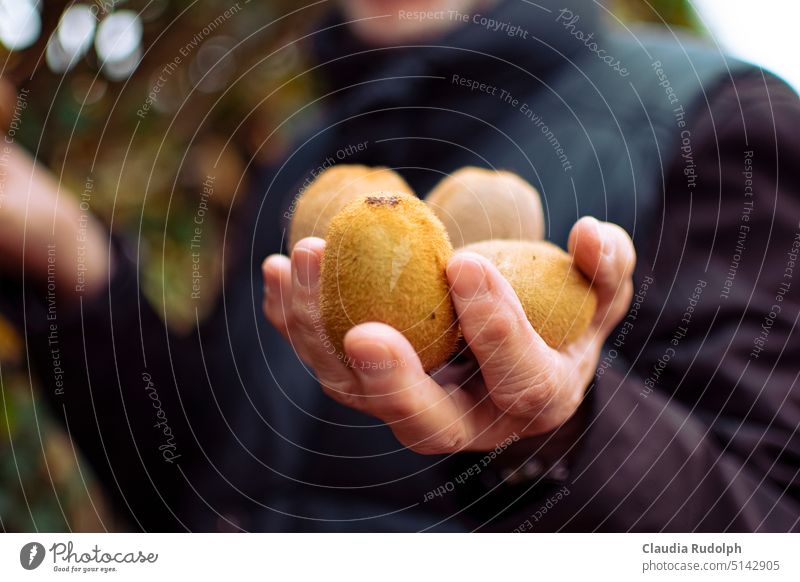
point(692, 422)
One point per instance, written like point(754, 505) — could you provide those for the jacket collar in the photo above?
point(534, 36)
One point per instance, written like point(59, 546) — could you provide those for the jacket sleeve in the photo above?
point(696, 405)
point(691, 423)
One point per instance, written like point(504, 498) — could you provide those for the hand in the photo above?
point(517, 384)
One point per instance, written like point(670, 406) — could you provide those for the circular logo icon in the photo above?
point(31, 555)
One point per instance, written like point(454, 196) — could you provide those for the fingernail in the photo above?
point(373, 359)
point(306, 268)
point(469, 279)
point(598, 230)
point(609, 248)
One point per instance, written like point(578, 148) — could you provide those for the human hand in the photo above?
point(518, 385)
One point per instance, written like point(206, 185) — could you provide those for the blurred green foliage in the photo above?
point(672, 12)
point(41, 487)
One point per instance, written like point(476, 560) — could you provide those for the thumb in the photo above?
point(604, 253)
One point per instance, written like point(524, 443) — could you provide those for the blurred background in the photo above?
point(142, 161)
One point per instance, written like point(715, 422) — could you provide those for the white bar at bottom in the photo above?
point(400, 557)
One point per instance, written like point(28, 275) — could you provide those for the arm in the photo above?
point(694, 424)
point(44, 231)
point(693, 445)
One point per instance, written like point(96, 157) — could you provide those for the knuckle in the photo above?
point(452, 442)
point(534, 399)
point(302, 309)
point(495, 330)
point(516, 379)
point(394, 408)
point(525, 394)
point(342, 393)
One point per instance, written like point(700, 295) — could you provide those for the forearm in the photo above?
point(44, 232)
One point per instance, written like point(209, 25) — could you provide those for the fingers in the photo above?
point(291, 304)
point(423, 416)
point(519, 368)
point(277, 273)
point(605, 255)
point(307, 332)
point(384, 378)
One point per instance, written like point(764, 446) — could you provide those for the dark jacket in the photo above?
point(692, 421)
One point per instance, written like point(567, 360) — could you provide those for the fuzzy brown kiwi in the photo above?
point(332, 190)
point(558, 300)
point(385, 259)
point(476, 204)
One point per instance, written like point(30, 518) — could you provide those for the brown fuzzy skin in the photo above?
point(385, 261)
point(476, 204)
point(332, 190)
point(557, 299)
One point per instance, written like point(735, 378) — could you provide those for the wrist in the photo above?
point(546, 456)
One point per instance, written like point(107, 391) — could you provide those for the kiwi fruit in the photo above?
point(385, 259)
point(476, 204)
point(558, 300)
point(332, 190)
